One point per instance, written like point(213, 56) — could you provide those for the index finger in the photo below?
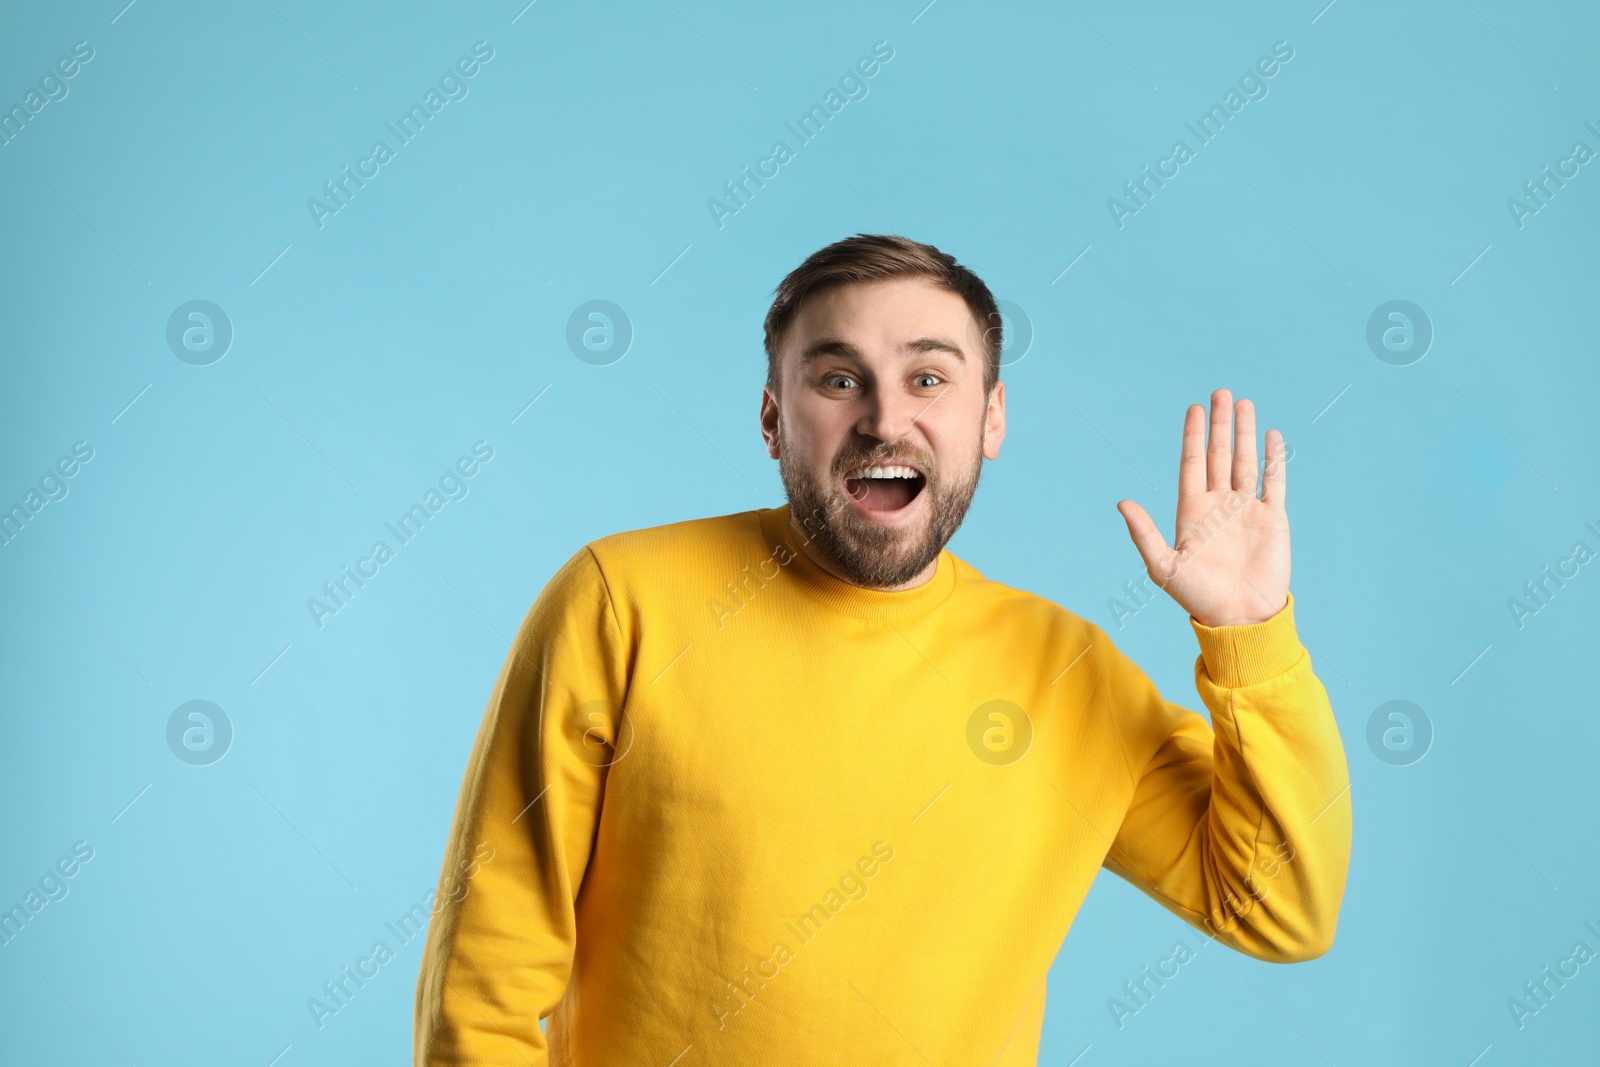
point(1192, 463)
point(1219, 455)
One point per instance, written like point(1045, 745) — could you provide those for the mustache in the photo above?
point(890, 457)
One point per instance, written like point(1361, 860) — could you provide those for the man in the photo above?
point(798, 786)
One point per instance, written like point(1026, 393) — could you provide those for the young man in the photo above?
point(798, 786)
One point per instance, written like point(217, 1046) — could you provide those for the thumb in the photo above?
point(1147, 539)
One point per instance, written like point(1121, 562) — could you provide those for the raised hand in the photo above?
point(1229, 565)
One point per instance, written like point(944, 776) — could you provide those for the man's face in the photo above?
point(872, 375)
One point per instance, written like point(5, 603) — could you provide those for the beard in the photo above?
point(870, 555)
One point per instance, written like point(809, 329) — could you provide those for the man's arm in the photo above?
point(500, 947)
point(1245, 832)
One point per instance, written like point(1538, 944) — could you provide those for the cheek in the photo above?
point(815, 437)
point(956, 441)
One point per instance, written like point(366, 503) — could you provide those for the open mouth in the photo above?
point(884, 487)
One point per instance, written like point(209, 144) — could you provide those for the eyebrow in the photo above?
point(833, 346)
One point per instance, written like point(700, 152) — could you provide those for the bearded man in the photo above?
point(799, 786)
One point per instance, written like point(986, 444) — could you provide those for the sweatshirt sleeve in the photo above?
point(1243, 832)
point(499, 950)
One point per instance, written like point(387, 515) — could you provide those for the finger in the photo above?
point(1244, 447)
point(1275, 479)
point(1192, 463)
point(1219, 451)
point(1147, 539)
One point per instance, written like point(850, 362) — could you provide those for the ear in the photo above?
point(769, 421)
point(994, 421)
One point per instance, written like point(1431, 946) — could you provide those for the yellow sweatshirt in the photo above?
point(725, 808)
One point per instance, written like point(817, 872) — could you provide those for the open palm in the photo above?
point(1229, 563)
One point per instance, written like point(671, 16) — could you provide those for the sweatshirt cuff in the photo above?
point(1237, 656)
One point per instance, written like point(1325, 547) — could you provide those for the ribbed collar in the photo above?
point(846, 597)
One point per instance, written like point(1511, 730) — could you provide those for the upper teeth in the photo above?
point(886, 472)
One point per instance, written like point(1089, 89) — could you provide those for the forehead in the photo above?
point(884, 312)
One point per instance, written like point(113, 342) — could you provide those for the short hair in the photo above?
point(869, 257)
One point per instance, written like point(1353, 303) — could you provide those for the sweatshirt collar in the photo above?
point(847, 597)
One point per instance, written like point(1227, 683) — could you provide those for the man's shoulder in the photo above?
point(1027, 610)
point(687, 551)
point(686, 537)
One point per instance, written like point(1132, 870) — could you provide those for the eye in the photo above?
point(832, 378)
point(932, 379)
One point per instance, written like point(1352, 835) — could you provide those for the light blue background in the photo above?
point(429, 312)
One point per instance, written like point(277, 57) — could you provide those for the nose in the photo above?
point(888, 414)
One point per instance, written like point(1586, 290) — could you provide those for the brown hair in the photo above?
point(869, 257)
